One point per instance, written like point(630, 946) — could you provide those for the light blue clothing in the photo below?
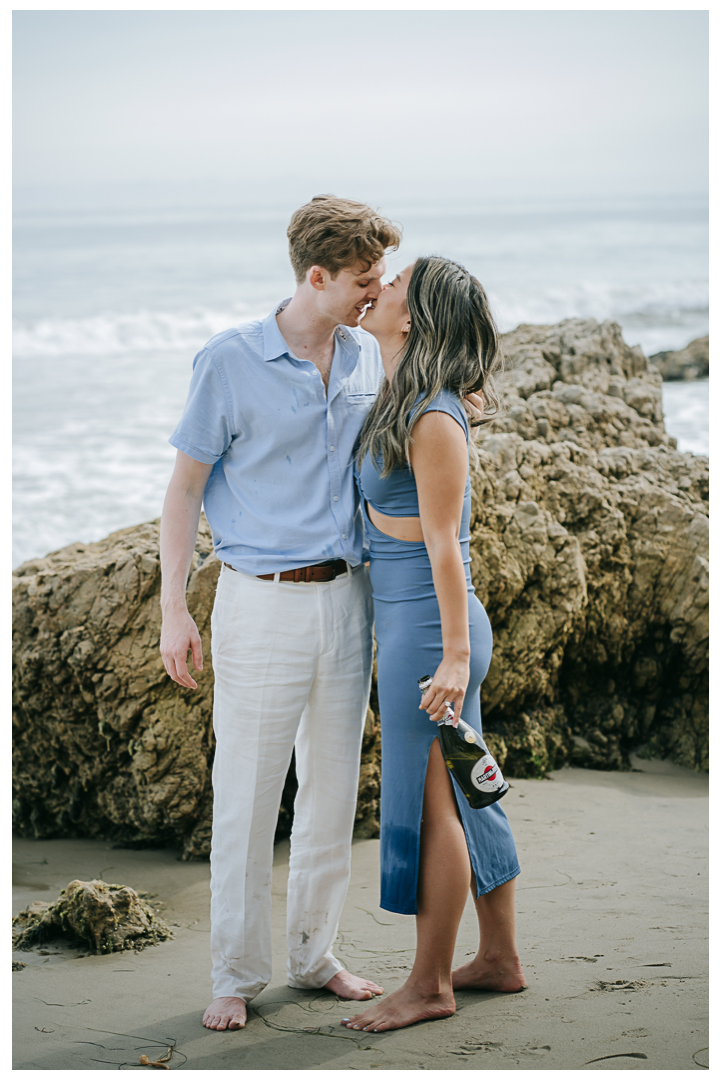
point(396, 495)
point(281, 493)
point(409, 645)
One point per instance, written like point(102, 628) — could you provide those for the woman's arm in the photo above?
point(439, 459)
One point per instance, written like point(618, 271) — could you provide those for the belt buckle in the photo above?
point(330, 565)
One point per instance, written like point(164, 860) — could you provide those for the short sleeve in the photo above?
point(205, 429)
point(450, 404)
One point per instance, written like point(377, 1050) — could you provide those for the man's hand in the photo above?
point(474, 407)
point(179, 637)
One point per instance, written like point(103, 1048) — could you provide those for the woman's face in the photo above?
point(389, 317)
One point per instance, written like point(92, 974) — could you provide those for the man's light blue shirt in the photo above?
point(281, 493)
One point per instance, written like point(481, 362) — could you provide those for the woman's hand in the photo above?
point(448, 686)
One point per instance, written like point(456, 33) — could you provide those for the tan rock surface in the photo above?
point(692, 362)
point(589, 542)
point(104, 743)
point(108, 918)
point(590, 546)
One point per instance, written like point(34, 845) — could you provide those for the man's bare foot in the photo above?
point(405, 1006)
point(503, 975)
point(352, 987)
point(226, 1013)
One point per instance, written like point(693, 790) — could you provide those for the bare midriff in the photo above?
point(400, 528)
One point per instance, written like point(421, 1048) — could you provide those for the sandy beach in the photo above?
point(612, 929)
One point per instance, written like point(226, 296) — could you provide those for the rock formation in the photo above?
point(589, 542)
point(108, 918)
point(104, 743)
point(692, 362)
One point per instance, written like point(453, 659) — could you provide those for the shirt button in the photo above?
point(332, 447)
point(344, 536)
point(335, 498)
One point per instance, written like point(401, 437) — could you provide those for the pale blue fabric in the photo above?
point(281, 493)
point(396, 496)
point(409, 645)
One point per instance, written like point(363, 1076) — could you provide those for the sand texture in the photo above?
point(612, 931)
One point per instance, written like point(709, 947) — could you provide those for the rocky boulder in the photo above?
point(590, 545)
point(589, 542)
point(104, 743)
point(692, 362)
point(108, 918)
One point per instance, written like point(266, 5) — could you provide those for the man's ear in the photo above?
point(317, 277)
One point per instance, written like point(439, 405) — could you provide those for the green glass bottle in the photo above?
point(468, 759)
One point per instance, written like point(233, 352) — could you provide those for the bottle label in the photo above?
point(486, 775)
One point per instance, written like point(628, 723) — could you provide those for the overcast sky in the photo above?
point(552, 102)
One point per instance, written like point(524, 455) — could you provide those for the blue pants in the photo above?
point(409, 641)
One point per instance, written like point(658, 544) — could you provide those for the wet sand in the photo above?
point(612, 930)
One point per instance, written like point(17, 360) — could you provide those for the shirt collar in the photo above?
point(275, 346)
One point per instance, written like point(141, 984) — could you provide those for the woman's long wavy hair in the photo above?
point(453, 344)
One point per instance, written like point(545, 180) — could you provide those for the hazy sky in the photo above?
point(554, 102)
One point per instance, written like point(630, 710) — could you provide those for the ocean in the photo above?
point(112, 303)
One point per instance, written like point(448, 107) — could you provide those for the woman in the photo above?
point(438, 343)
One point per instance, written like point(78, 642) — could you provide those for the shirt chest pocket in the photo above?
point(359, 400)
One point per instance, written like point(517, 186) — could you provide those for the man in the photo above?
point(266, 442)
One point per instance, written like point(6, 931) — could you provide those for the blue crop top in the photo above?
point(396, 494)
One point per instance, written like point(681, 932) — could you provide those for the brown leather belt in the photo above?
point(326, 571)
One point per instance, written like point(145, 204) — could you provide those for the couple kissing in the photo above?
point(330, 445)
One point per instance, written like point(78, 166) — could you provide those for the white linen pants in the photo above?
point(292, 668)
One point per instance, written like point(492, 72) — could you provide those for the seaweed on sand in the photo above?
point(108, 918)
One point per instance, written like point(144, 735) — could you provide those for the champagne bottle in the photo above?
point(468, 759)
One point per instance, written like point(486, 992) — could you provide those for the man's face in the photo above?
point(346, 296)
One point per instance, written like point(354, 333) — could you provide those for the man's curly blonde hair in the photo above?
point(337, 234)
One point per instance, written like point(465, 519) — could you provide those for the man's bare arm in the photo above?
point(178, 534)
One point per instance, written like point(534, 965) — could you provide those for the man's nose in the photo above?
point(375, 289)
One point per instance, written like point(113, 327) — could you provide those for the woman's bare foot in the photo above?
point(405, 1006)
point(502, 974)
point(226, 1013)
point(352, 987)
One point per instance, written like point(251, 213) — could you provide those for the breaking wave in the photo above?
point(659, 316)
point(667, 304)
point(121, 334)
